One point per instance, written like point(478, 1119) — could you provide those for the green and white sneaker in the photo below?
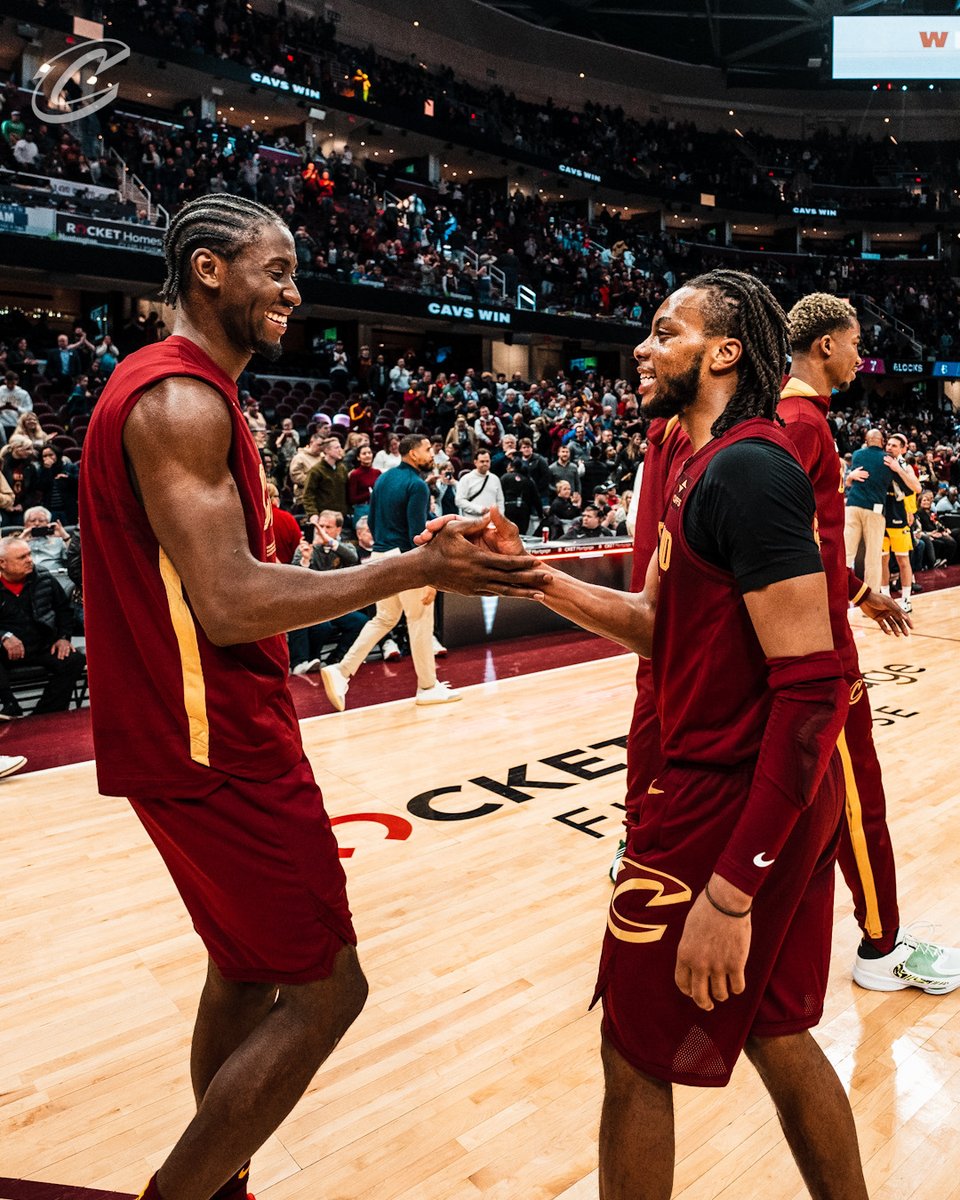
point(911, 963)
point(618, 859)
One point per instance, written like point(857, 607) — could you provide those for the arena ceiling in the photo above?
point(737, 35)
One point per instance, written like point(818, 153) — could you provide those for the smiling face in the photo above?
point(255, 290)
point(670, 360)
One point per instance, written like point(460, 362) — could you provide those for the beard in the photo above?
point(674, 396)
point(271, 351)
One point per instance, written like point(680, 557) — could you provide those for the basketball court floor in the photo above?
point(477, 838)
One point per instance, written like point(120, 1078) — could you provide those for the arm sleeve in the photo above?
point(810, 702)
point(752, 514)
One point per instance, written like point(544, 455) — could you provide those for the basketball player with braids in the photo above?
point(824, 340)
point(186, 607)
point(718, 933)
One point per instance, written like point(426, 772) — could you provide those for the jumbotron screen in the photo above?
point(896, 48)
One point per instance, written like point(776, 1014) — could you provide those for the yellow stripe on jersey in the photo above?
point(194, 688)
point(858, 840)
point(860, 595)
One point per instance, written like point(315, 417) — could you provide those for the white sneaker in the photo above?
point(618, 859)
point(304, 668)
point(391, 651)
point(335, 684)
point(440, 693)
point(11, 763)
point(911, 963)
point(439, 650)
point(906, 605)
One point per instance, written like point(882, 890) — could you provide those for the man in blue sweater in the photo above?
point(399, 507)
point(867, 483)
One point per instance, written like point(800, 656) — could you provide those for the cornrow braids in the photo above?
point(741, 307)
point(221, 222)
point(815, 316)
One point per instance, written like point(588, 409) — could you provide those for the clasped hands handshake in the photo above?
point(480, 556)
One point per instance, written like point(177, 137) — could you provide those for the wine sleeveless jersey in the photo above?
point(173, 714)
point(804, 414)
point(667, 446)
point(709, 671)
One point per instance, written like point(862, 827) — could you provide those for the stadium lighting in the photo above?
point(92, 80)
point(44, 68)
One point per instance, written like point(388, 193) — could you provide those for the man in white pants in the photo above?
point(866, 485)
point(399, 507)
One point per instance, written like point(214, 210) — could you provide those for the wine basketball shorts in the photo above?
point(258, 869)
point(685, 820)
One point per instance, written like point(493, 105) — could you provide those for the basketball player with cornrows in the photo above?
point(718, 933)
point(186, 608)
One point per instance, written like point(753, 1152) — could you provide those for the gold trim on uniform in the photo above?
point(194, 687)
point(857, 837)
point(860, 595)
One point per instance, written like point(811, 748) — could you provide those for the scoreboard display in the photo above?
point(899, 48)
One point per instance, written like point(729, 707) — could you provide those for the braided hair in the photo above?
point(739, 306)
point(220, 222)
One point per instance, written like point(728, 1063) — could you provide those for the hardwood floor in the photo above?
point(474, 1071)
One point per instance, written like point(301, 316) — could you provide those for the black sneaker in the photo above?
point(10, 712)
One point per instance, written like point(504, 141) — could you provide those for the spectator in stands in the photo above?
point(81, 400)
point(389, 456)
point(287, 533)
point(521, 500)
point(13, 128)
point(479, 489)
point(19, 467)
point(328, 552)
point(287, 443)
point(564, 468)
point(63, 364)
point(255, 418)
point(22, 360)
point(49, 542)
point(326, 485)
point(84, 347)
point(360, 481)
point(947, 503)
point(36, 621)
point(107, 356)
point(461, 441)
point(399, 377)
point(935, 547)
point(26, 153)
point(535, 465)
point(14, 402)
point(304, 461)
point(503, 456)
point(590, 526)
point(564, 510)
point(29, 427)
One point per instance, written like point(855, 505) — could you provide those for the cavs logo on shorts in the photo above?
point(633, 882)
point(856, 691)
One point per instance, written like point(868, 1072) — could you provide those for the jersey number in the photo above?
point(666, 549)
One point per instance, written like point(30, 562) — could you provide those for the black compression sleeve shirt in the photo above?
point(752, 514)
